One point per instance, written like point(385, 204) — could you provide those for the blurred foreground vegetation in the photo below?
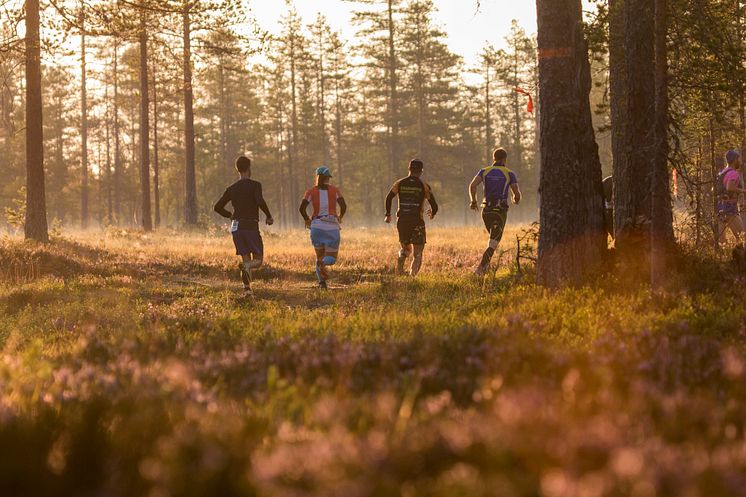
point(131, 367)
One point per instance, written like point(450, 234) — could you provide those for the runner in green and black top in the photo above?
point(498, 182)
point(412, 193)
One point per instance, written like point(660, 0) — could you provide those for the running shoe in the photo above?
point(400, 265)
point(322, 285)
point(323, 271)
point(482, 269)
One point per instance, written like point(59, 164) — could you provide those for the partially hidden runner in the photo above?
point(497, 180)
point(324, 223)
point(728, 188)
point(608, 184)
point(412, 193)
point(246, 197)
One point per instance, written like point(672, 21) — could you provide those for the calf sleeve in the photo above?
point(329, 260)
point(318, 271)
point(403, 253)
point(487, 256)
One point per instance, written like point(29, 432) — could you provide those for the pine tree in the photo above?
point(36, 206)
point(571, 241)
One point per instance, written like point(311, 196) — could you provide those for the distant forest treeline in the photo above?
point(293, 101)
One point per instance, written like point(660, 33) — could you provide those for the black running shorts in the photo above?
point(411, 231)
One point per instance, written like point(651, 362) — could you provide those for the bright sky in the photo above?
point(468, 30)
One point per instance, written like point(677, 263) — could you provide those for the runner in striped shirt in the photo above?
point(324, 223)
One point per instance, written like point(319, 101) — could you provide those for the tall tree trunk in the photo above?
point(517, 159)
point(84, 194)
point(223, 122)
point(107, 121)
point(393, 102)
point(147, 221)
point(293, 150)
point(618, 101)
point(662, 236)
point(59, 162)
point(572, 239)
point(35, 226)
point(632, 193)
point(117, 143)
point(322, 97)
point(190, 204)
point(338, 134)
point(489, 141)
point(156, 165)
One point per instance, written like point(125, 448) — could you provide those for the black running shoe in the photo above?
point(322, 285)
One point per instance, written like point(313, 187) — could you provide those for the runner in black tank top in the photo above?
point(412, 193)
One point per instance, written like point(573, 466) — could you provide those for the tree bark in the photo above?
point(147, 222)
point(190, 204)
point(293, 150)
point(632, 192)
point(35, 226)
point(117, 143)
point(618, 99)
point(662, 236)
point(156, 164)
point(393, 96)
point(572, 239)
point(84, 193)
point(489, 141)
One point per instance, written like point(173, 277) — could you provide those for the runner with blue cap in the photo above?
point(324, 223)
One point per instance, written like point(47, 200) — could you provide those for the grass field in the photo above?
point(130, 366)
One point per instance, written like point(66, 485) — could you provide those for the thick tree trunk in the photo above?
point(84, 194)
point(35, 226)
point(572, 239)
point(147, 221)
point(662, 236)
point(632, 192)
point(190, 202)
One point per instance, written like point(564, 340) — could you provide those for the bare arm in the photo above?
point(516, 193)
point(733, 186)
point(473, 190)
point(342, 207)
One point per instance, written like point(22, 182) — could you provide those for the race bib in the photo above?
point(234, 225)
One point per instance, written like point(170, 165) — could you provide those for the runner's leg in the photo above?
point(321, 273)
point(404, 252)
point(417, 261)
point(331, 249)
point(494, 221)
point(736, 227)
